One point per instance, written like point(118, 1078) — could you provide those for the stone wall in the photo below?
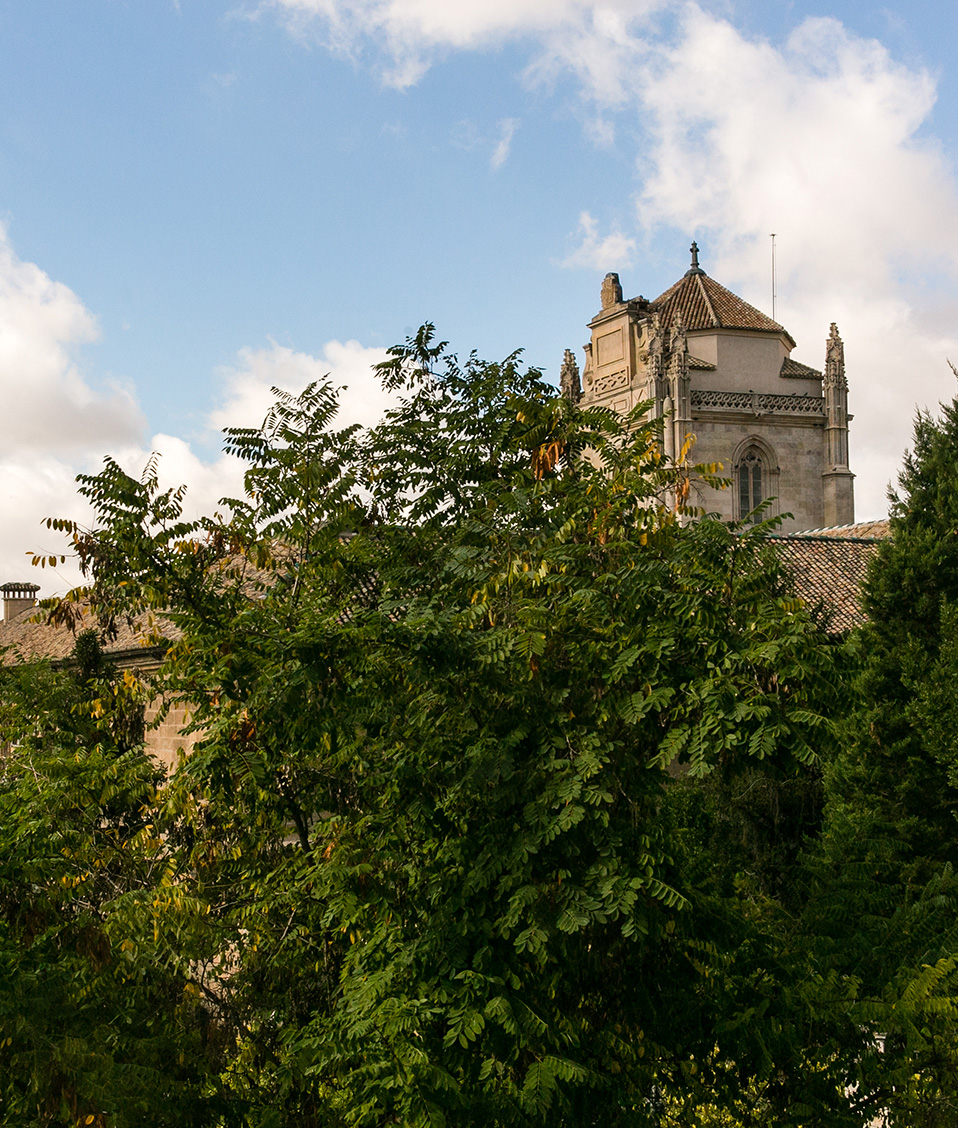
point(167, 740)
point(794, 466)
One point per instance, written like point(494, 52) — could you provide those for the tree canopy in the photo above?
point(506, 764)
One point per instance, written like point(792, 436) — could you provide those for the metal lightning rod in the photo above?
point(774, 294)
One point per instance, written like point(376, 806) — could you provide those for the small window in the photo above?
point(751, 482)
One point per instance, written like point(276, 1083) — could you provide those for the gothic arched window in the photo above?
point(751, 479)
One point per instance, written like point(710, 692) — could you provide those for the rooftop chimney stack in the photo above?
point(18, 598)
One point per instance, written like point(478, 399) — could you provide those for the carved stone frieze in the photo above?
point(611, 383)
point(757, 403)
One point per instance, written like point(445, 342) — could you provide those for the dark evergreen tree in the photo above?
point(882, 913)
point(910, 685)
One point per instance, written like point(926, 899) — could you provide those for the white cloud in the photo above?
point(48, 406)
point(245, 400)
point(468, 137)
point(507, 130)
point(424, 23)
point(348, 365)
point(821, 134)
point(413, 33)
point(32, 489)
point(611, 252)
point(55, 425)
point(820, 139)
point(52, 421)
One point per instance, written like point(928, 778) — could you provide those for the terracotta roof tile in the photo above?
point(797, 371)
point(828, 571)
point(28, 637)
point(703, 303)
point(864, 530)
point(700, 365)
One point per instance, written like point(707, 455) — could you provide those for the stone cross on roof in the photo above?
point(694, 268)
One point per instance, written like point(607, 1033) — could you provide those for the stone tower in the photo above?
point(715, 367)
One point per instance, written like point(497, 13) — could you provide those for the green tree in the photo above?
point(909, 644)
point(472, 693)
point(885, 899)
point(97, 1001)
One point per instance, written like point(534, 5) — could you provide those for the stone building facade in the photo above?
point(715, 367)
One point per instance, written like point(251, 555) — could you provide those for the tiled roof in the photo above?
point(797, 371)
point(705, 304)
point(700, 365)
point(864, 530)
point(828, 568)
point(25, 640)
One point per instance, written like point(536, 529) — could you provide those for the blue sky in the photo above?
point(200, 199)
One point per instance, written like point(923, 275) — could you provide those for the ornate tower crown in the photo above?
point(611, 291)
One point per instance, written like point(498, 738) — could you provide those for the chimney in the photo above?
point(18, 598)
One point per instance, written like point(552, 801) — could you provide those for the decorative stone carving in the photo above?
point(835, 359)
point(611, 382)
point(569, 383)
point(679, 342)
point(611, 292)
point(757, 404)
